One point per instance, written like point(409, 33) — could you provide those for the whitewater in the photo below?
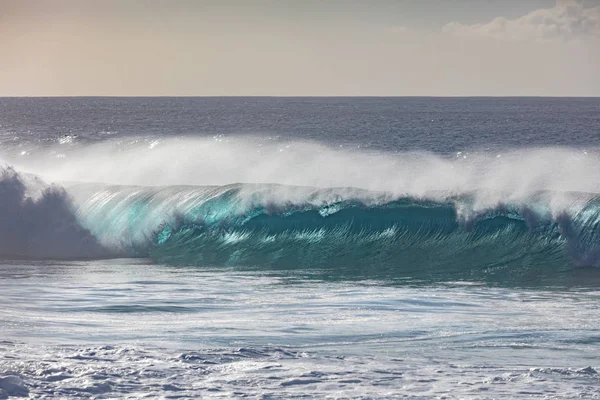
point(183, 260)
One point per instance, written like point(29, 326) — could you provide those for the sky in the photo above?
point(299, 48)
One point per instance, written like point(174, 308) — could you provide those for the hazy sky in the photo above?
point(299, 47)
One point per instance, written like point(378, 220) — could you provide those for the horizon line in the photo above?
point(299, 96)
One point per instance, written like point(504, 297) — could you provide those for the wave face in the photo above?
point(353, 232)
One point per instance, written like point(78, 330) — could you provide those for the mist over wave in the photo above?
point(226, 160)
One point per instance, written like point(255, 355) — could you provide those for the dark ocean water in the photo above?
point(442, 125)
point(300, 247)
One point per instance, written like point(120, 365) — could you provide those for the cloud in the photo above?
point(567, 20)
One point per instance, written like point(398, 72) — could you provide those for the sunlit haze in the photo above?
point(299, 48)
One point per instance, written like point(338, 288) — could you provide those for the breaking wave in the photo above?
point(407, 214)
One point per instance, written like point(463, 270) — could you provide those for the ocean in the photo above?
point(286, 248)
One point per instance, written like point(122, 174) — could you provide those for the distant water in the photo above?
point(300, 247)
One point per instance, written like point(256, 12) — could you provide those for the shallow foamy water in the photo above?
point(125, 329)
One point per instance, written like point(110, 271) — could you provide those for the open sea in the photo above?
point(298, 248)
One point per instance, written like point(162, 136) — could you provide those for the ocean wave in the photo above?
point(399, 214)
